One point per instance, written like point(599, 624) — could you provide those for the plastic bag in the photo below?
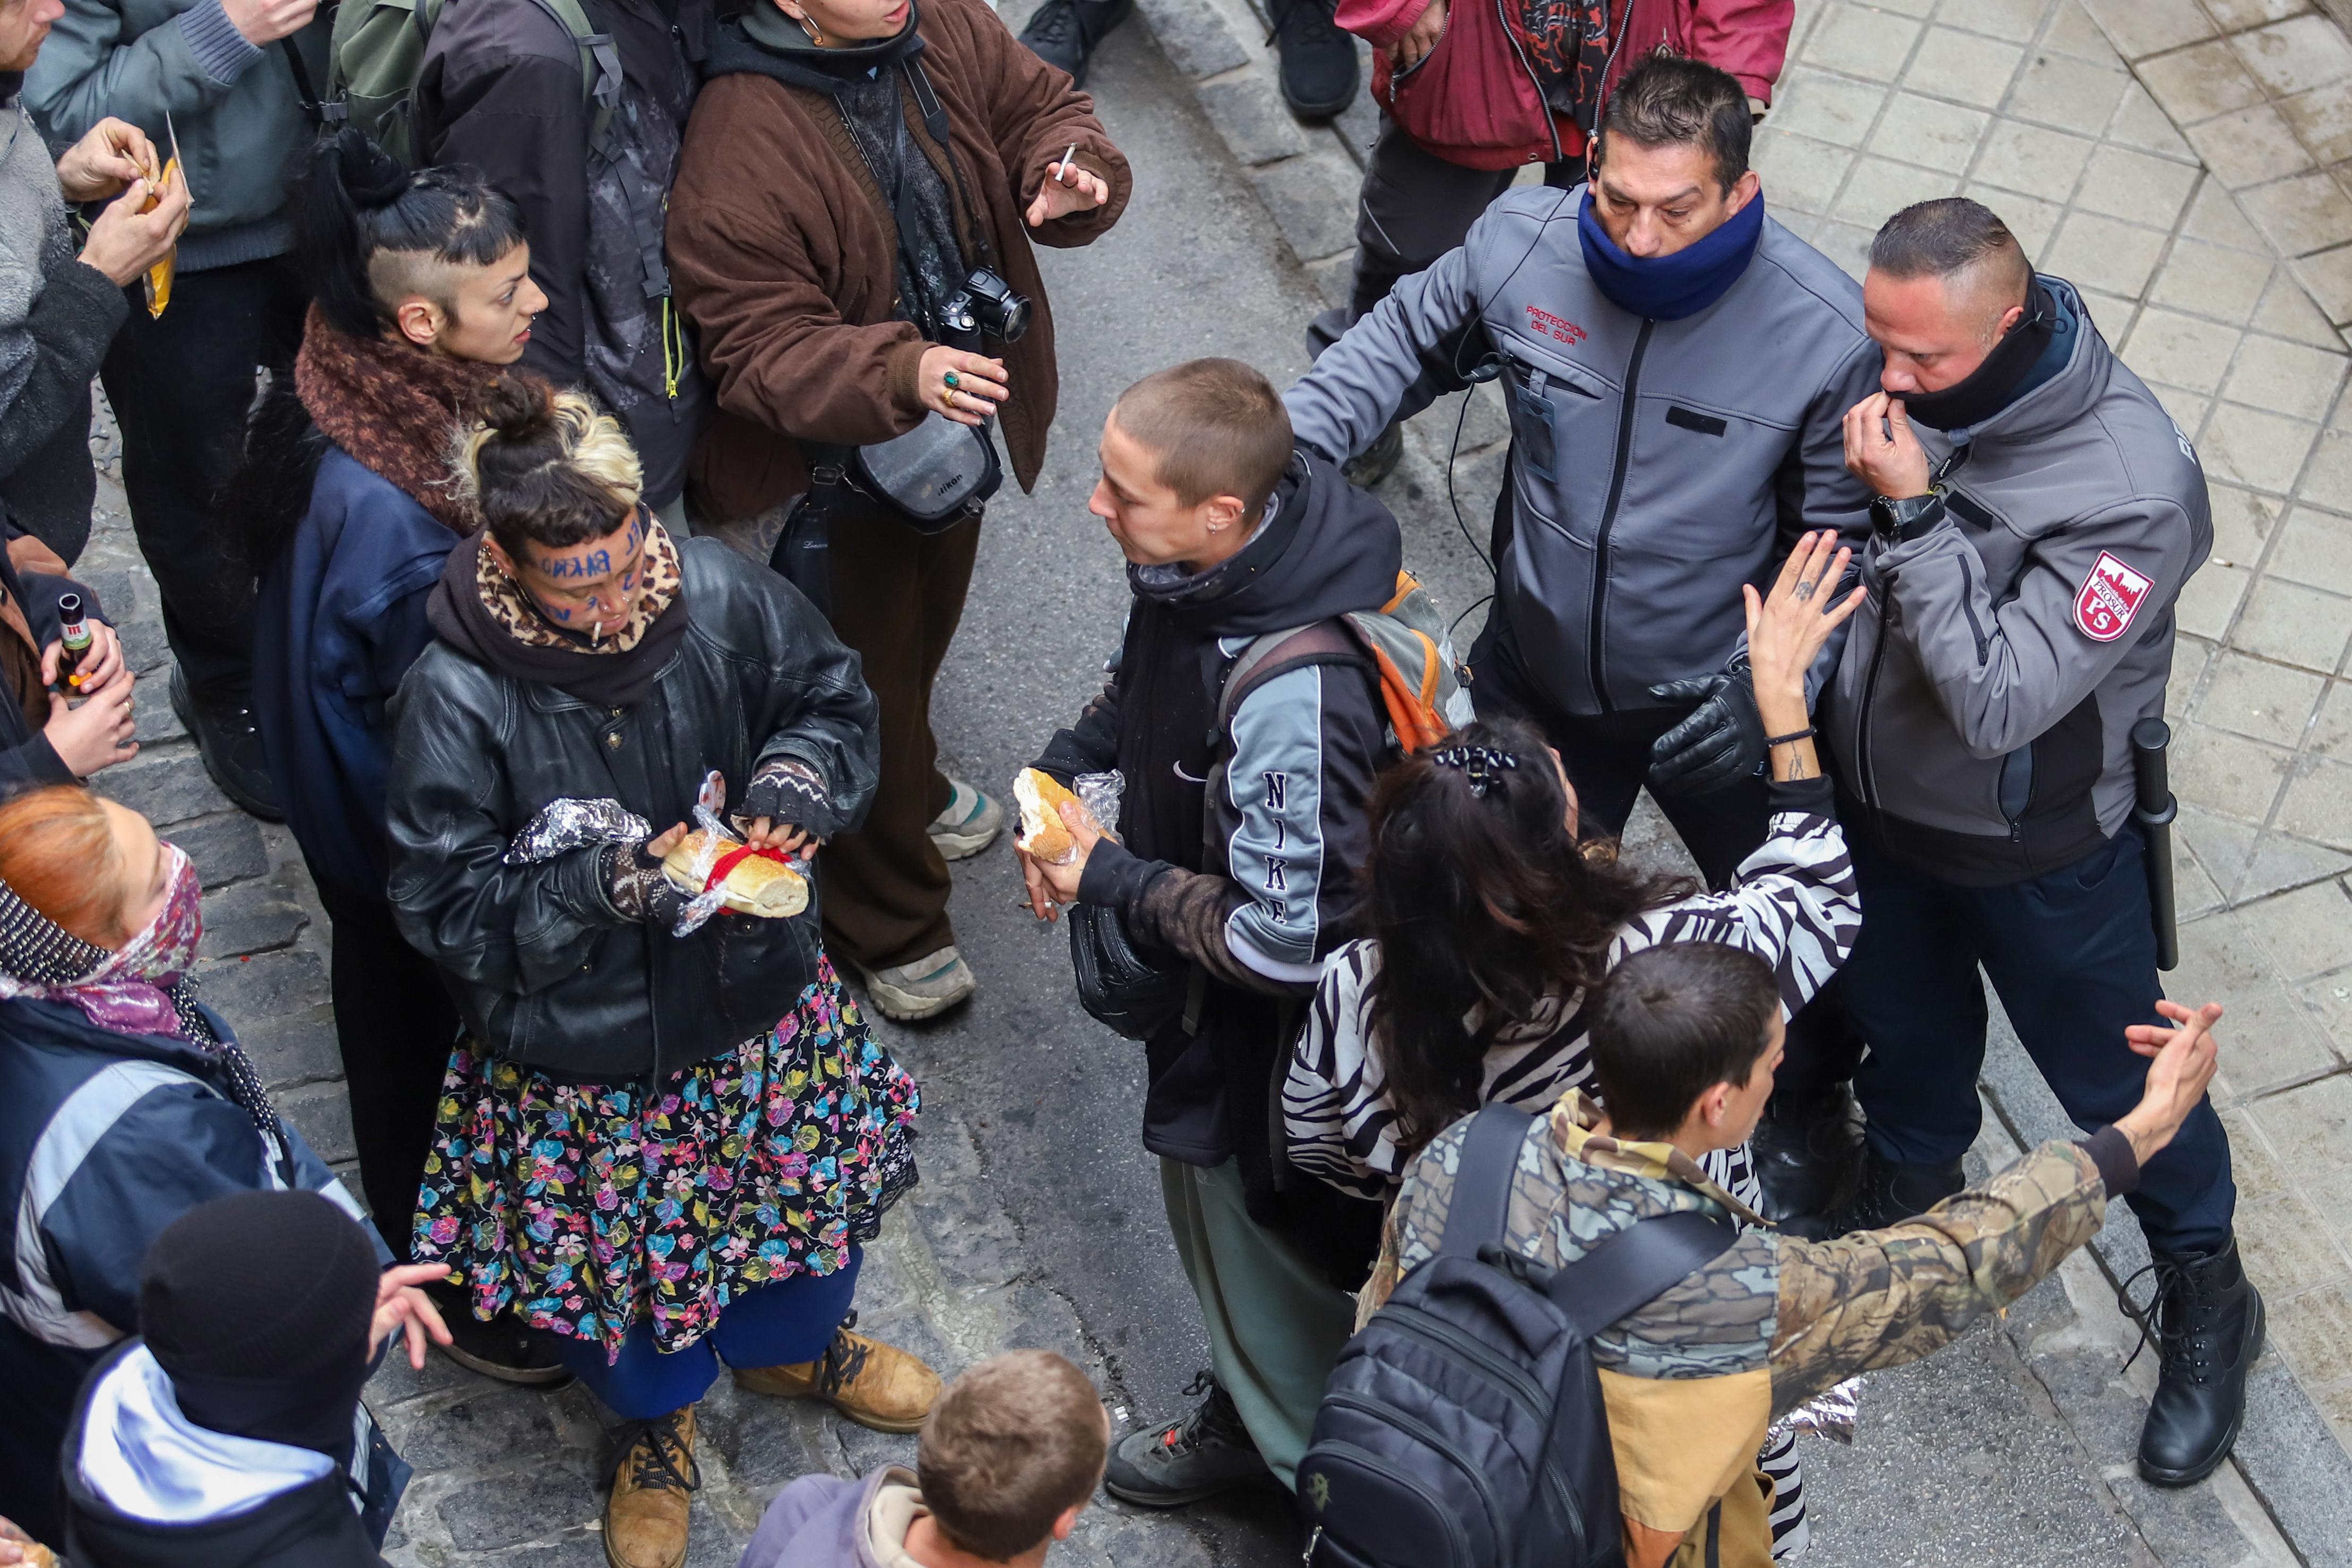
point(718, 839)
point(1100, 793)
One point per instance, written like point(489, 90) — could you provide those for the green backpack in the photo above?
point(377, 51)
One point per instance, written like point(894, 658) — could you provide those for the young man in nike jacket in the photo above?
point(1230, 536)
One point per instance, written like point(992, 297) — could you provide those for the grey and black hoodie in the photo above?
point(1258, 901)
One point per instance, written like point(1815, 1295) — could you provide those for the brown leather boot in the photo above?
point(653, 1484)
point(873, 1384)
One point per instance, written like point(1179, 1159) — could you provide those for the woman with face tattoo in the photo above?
point(660, 1141)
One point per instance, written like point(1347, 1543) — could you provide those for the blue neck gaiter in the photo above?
point(1669, 288)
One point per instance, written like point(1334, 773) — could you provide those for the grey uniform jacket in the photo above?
point(1985, 701)
point(1656, 464)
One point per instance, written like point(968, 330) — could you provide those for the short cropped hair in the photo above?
point(1947, 237)
point(1011, 1444)
point(1671, 1022)
point(1217, 426)
point(1668, 100)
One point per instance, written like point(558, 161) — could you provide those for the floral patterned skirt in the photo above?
point(588, 1208)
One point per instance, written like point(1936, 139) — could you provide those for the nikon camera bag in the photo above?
point(1464, 1426)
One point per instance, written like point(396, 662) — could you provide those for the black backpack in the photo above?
point(1464, 1426)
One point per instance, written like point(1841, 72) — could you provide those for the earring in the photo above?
point(810, 27)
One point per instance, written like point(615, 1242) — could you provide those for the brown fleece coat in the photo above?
point(783, 254)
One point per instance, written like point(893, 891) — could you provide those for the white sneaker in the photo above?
point(917, 990)
point(969, 825)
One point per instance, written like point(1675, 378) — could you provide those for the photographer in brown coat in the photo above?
point(852, 170)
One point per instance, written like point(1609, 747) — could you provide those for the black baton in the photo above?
point(2153, 810)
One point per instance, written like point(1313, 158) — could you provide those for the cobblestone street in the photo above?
point(2189, 167)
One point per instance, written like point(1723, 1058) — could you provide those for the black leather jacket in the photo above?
point(548, 973)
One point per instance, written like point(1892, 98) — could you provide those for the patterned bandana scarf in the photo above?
point(1569, 42)
point(397, 409)
point(652, 589)
point(140, 988)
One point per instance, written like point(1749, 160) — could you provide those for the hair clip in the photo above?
point(1482, 765)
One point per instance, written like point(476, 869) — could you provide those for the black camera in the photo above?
point(985, 308)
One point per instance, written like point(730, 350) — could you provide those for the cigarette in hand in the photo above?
point(1064, 175)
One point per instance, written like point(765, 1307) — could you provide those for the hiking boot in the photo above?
point(1065, 31)
point(1193, 1457)
point(1318, 73)
point(969, 824)
point(873, 1384)
point(652, 1486)
point(231, 747)
point(503, 1348)
point(1885, 1193)
point(930, 984)
point(1804, 1155)
point(1378, 461)
point(2206, 1321)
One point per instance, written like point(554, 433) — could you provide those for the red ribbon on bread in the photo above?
point(737, 856)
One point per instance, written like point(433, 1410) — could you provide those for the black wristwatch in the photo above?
point(1898, 521)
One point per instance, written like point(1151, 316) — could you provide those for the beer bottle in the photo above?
point(74, 634)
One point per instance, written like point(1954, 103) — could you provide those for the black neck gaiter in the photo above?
point(1990, 387)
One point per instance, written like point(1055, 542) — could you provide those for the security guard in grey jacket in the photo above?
point(1677, 365)
point(2038, 512)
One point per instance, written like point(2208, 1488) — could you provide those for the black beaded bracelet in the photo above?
point(1795, 735)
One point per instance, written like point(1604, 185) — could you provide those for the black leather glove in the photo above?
point(637, 886)
point(789, 793)
point(1720, 744)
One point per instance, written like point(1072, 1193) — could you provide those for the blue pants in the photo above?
point(2072, 954)
point(780, 1324)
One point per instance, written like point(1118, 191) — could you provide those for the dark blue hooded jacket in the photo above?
point(340, 618)
point(105, 1139)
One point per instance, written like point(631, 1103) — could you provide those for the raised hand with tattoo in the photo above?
point(1785, 631)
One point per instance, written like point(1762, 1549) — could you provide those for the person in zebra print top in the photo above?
point(1502, 922)
point(1793, 904)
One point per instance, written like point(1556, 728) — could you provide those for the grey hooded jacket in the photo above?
point(1984, 706)
point(1656, 464)
point(241, 124)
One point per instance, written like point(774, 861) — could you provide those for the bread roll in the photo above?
point(1042, 833)
point(754, 885)
point(37, 1556)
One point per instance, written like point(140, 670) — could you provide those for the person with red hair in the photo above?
point(124, 1103)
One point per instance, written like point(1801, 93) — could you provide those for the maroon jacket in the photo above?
point(1474, 99)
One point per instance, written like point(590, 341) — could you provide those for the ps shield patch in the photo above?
point(2110, 597)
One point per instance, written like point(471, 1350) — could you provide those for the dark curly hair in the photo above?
point(1486, 903)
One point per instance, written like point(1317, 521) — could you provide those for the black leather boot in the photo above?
point(1805, 1155)
point(1885, 1193)
point(2207, 1322)
point(230, 744)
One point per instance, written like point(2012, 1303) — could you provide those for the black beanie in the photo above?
point(258, 1306)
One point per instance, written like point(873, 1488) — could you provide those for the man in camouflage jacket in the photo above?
point(1693, 1379)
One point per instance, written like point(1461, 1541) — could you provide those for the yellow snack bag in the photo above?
point(160, 276)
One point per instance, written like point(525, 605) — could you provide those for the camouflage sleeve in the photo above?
point(1882, 1297)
